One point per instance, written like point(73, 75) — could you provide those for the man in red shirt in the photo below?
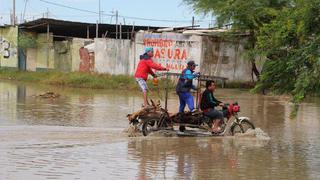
point(144, 68)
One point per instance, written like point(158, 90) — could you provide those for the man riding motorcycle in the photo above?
point(208, 104)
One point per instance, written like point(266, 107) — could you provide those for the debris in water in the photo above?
point(132, 131)
point(49, 94)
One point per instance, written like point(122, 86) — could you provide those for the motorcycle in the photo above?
point(198, 120)
point(155, 118)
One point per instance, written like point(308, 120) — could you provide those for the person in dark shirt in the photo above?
point(208, 104)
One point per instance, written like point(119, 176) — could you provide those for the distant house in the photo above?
point(50, 44)
point(47, 44)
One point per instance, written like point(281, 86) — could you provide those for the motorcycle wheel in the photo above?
point(241, 127)
point(148, 126)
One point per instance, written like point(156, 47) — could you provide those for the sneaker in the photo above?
point(195, 111)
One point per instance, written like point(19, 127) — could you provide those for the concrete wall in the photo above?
point(172, 50)
point(8, 47)
point(58, 55)
point(62, 56)
point(45, 52)
point(216, 56)
point(226, 59)
point(31, 59)
point(76, 44)
point(112, 56)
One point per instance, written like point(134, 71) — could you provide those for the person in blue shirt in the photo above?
point(185, 85)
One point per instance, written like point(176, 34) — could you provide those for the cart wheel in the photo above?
point(182, 128)
point(148, 126)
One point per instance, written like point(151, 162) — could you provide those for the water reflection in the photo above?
point(86, 108)
point(211, 158)
point(36, 145)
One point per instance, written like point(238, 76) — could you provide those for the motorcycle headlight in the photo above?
point(236, 108)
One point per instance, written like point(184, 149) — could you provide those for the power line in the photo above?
point(61, 5)
point(127, 17)
point(159, 20)
point(25, 7)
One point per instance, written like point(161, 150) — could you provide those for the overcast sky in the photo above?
point(156, 13)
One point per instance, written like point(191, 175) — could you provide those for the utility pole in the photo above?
point(116, 24)
point(14, 12)
point(47, 13)
point(120, 31)
point(97, 30)
point(192, 22)
point(99, 11)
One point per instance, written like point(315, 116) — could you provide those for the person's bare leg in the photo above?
point(145, 99)
point(215, 125)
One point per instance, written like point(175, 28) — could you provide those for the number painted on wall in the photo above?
point(4, 48)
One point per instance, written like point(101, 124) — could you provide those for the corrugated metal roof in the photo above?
point(79, 29)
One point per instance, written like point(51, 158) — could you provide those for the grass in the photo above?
point(92, 80)
point(77, 79)
point(239, 85)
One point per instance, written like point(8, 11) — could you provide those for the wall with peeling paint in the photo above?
point(55, 55)
point(113, 56)
point(45, 53)
point(215, 55)
point(31, 59)
point(62, 56)
point(226, 58)
point(172, 50)
point(8, 47)
point(77, 63)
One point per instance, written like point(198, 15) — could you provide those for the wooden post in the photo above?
point(48, 38)
point(132, 31)
point(167, 89)
point(14, 12)
point(117, 24)
point(192, 22)
point(99, 11)
point(120, 31)
point(198, 93)
point(97, 29)
point(48, 32)
point(88, 32)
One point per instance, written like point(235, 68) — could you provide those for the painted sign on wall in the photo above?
point(170, 50)
point(8, 47)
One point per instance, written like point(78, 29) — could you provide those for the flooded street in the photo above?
point(80, 135)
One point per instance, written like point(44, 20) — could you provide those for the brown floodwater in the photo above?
point(80, 135)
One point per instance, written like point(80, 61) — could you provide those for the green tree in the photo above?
point(291, 42)
point(285, 32)
point(244, 15)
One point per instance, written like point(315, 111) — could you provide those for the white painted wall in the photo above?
point(215, 56)
point(112, 56)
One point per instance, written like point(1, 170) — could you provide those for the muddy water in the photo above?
point(80, 136)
